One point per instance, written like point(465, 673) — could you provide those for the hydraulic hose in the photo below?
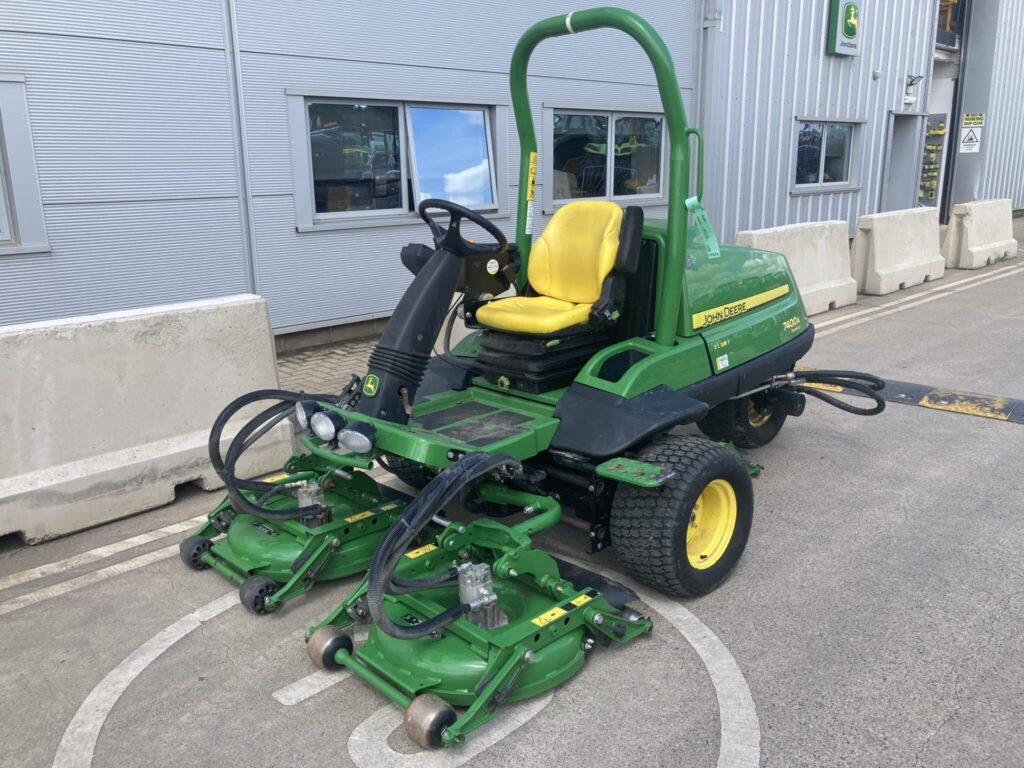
point(433, 498)
point(854, 381)
point(252, 431)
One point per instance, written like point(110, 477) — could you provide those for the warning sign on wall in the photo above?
point(974, 120)
point(970, 140)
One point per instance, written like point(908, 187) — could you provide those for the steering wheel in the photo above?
point(450, 237)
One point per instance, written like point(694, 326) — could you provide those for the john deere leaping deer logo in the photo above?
point(370, 385)
point(851, 20)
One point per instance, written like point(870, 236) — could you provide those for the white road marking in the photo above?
point(368, 745)
point(310, 685)
point(99, 553)
point(93, 577)
point(79, 740)
point(938, 289)
point(912, 301)
point(740, 739)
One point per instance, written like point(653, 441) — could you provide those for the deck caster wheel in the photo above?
point(324, 644)
point(426, 719)
point(191, 552)
point(254, 593)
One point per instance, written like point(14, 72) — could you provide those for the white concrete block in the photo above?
point(102, 415)
point(819, 255)
point(897, 250)
point(980, 233)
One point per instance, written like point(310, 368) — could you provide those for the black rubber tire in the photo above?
point(191, 552)
point(648, 526)
point(409, 472)
point(730, 421)
point(254, 593)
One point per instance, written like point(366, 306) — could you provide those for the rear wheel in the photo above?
point(748, 422)
point(685, 537)
point(409, 472)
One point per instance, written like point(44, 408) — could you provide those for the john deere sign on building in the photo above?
point(844, 28)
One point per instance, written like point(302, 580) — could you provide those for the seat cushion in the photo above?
point(532, 314)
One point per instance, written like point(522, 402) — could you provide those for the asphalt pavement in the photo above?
point(874, 620)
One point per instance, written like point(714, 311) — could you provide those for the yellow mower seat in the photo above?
point(567, 266)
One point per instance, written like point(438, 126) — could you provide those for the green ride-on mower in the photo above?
point(566, 394)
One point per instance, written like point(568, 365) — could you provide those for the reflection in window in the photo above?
point(580, 155)
point(451, 155)
point(637, 156)
point(356, 154)
point(823, 153)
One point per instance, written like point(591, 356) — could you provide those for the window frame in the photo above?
point(307, 220)
point(20, 196)
point(852, 183)
point(552, 204)
point(414, 173)
point(329, 216)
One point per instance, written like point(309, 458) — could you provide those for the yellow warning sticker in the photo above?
point(581, 600)
point(421, 551)
point(734, 308)
point(388, 507)
point(546, 618)
point(274, 478)
point(531, 177)
point(968, 403)
point(358, 517)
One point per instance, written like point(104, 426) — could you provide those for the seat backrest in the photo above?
point(576, 251)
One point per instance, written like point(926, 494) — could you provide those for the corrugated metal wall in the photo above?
point(764, 66)
point(1003, 139)
point(414, 54)
point(131, 116)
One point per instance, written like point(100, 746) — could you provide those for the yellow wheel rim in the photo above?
point(755, 417)
point(712, 522)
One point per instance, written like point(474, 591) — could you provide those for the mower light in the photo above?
point(325, 425)
point(358, 437)
point(304, 410)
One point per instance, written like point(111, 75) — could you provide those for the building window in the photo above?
point(377, 158)
point(823, 153)
point(606, 155)
point(22, 225)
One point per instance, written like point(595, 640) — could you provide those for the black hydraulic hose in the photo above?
point(866, 384)
point(434, 496)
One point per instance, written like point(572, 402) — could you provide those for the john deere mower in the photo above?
point(561, 404)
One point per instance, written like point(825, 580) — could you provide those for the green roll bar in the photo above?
point(670, 292)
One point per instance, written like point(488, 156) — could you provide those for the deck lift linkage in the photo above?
point(564, 395)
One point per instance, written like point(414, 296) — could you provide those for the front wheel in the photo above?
point(685, 537)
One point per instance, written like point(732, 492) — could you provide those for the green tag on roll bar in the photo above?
point(700, 217)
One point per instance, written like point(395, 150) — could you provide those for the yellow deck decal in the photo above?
point(733, 308)
point(581, 600)
point(358, 517)
point(968, 403)
point(388, 507)
point(421, 551)
point(546, 618)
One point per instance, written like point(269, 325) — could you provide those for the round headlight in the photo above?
point(304, 410)
point(325, 425)
point(358, 437)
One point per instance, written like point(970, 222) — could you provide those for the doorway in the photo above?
point(900, 180)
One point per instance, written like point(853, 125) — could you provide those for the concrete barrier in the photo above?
point(819, 255)
point(980, 233)
point(102, 416)
point(897, 250)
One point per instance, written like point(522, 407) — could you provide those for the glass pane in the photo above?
point(579, 156)
point(356, 157)
point(808, 154)
point(451, 153)
point(637, 156)
point(837, 153)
